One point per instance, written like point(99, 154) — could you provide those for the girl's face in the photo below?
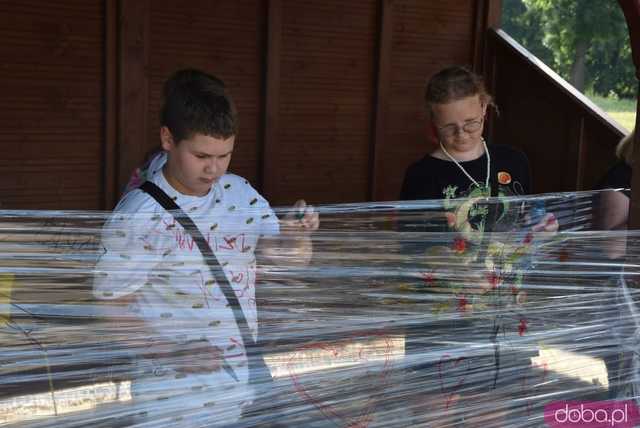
point(196, 163)
point(459, 123)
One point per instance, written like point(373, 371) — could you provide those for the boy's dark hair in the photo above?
point(197, 102)
point(453, 84)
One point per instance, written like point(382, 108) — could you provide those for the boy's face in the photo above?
point(196, 163)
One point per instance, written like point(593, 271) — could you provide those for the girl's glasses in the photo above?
point(469, 127)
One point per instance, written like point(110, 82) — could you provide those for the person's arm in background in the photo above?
point(614, 210)
point(614, 215)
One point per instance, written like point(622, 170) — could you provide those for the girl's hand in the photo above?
point(549, 223)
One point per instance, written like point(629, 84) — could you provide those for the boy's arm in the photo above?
point(116, 278)
point(293, 246)
point(131, 333)
point(134, 239)
point(132, 258)
point(123, 269)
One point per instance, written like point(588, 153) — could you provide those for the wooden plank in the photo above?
point(110, 105)
point(270, 152)
point(383, 77)
point(133, 96)
point(494, 13)
point(479, 31)
point(490, 73)
point(487, 15)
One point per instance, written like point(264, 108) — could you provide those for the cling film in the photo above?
point(6, 285)
point(455, 313)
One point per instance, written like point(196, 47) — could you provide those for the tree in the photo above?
point(524, 26)
point(585, 41)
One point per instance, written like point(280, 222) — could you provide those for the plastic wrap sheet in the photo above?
point(432, 313)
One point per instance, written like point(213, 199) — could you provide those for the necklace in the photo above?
point(486, 184)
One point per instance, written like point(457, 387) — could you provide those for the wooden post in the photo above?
point(631, 9)
point(383, 77)
point(270, 151)
point(487, 15)
point(110, 172)
point(133, 90)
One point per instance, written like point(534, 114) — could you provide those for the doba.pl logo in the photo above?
point(591, 414)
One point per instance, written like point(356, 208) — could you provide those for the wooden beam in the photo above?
point(487, 15)
point(494, 13)
point(478, 32)
point(631, 9)
point(109, 165)
point(383, 79)
point(270, 153)
point(133, 97)
point(490, 74)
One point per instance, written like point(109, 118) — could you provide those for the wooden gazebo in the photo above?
point(329, 94)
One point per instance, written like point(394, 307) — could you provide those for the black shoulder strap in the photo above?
point(210, 258)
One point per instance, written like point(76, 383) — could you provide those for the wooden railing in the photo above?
point(569, 140)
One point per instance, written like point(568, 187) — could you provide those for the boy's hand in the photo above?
point(303, 218)
point(293, 247)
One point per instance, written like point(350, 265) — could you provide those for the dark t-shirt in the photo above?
point(618, 177)
point(431, 178)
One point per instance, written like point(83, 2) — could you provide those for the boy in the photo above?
point(194, 366)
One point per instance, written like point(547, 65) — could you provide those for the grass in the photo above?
point(622, 111)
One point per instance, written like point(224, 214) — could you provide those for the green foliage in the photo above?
point(524, 26)
point(573, 36)
point(612, 70)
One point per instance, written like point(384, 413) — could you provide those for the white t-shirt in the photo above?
point(149, 253)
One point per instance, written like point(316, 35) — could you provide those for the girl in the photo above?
point(463, 165)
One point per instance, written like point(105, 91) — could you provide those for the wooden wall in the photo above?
point(424, 38)
point(51, 103)
point(225, 38)
point(329, 92)
point(323, 107)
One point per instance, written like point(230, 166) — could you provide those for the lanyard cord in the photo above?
point(486, 150)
